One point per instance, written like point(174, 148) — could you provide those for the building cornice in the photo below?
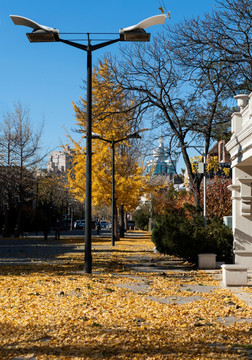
point(240, 143)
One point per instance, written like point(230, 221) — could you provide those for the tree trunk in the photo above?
point(121, 221)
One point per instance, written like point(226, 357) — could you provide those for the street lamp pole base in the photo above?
point(88, 265)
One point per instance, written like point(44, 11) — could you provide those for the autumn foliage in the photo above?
point(219, 200)
point(112, 122)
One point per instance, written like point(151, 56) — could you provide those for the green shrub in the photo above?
point(219, 233)
point(181, 234)
point(141, 217)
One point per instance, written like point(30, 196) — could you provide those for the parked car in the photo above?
point(79, 224)
point(104, 224)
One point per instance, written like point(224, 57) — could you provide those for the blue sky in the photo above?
point(47, 77)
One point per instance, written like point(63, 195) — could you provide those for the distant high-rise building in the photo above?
point(59, 161)
point(161, 164)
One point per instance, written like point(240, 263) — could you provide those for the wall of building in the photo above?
point(59, 161)
point(240, 149)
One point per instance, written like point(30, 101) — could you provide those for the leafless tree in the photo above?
point(189, 104)
point(19, 156)
point(185, 77)
point(224, 35)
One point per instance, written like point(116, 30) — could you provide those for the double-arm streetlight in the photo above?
point(113, 143)
point(43, 33)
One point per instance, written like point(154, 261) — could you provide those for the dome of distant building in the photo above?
point(161, 164)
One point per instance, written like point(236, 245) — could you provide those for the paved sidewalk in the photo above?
point(146, 264)
point(37, 250)
point(160, 267)
point(142, 263)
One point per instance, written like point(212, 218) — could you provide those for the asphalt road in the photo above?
point(34, 248)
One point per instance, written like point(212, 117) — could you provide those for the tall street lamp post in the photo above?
point(43, 33)
point(202, 170)
point(204, 186)
point(113, 143)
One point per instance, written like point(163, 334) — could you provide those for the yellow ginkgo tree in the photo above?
point(111, 121)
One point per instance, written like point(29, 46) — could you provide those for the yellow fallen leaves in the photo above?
point(56, 312)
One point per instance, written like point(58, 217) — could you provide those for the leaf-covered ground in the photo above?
point(53, 310)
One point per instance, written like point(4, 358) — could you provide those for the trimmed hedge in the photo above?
point(184, 235)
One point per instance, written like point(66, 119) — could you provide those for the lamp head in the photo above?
point(137, 32)
point(43, 36)
point(40, 33)
point(134, 136)
point(135, 35)
point(95, 135)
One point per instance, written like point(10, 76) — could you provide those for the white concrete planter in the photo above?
point(234, 275)
point(207, 261)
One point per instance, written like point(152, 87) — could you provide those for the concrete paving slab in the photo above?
point(151, 268)
point(199, 288)
point(228, 320)
point(137, 287)
point(27, 357)
point(243, 296)
point(175, 300)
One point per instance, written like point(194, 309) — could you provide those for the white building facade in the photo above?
point(59, 161)
point(240, 149)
